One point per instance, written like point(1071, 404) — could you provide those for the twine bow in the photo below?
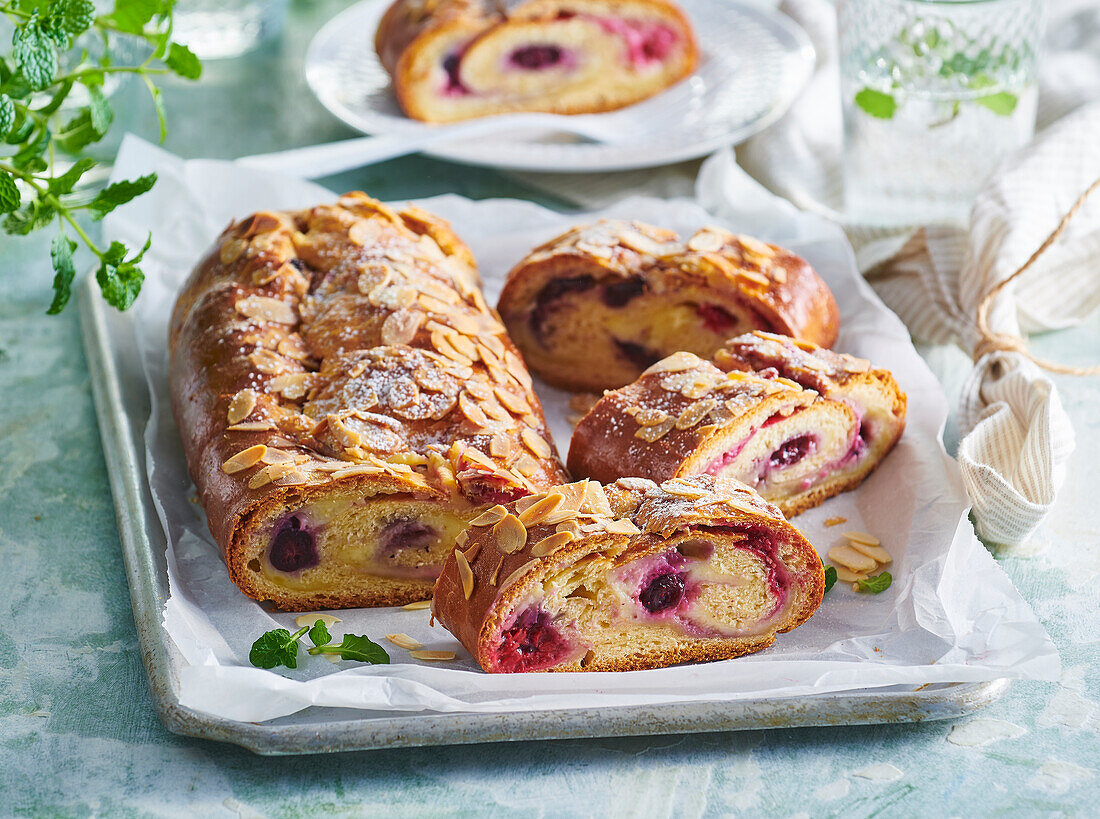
point(992, 341)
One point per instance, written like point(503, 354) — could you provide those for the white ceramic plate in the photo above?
point(753, 63)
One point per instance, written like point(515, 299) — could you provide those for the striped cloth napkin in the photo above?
point(1015, 436)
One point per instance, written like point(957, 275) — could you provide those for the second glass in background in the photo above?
point(935, 93)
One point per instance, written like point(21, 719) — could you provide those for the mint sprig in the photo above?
point(830, 577)
point(280, 647)
point(41, 138)
point(876, 584)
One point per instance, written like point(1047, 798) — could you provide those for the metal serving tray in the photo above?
point(122, 404)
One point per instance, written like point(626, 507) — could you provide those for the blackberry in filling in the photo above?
point(536, 56)
point(640, 356)
point(546, 298)
point(402, 535)
point(454, 82)
point(293, 548)
point(622, 293)
point(663, 592)
point(792, 451)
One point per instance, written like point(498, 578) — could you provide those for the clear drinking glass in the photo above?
point(935, 94)
point(215, 29)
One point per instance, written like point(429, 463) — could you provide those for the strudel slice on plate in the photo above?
point(593, 308)
point(796, 443)
point(348, 402)
point(456, 59)
point(638, 576)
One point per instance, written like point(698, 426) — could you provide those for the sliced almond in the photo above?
point(268, 363)
point(417, 605)
point(513, 402)
point(655, 432)
point(432, 656)
point(231, 250)
point(472, 411)
point(683, 489)
point(265, 308)
point(401, 327)
point(496, 572)
point(462, 538)
point(849, 558)
point(294, 477)
point(551, 543)
point(835, 521)
point(649, 417)
point(402, 640)
point(622, 526)
point(676, 362)
point(536, 443)
point(241, 406)
point(754, 277)
point(847, 575)
point(465, 574)
point(559, 516)
point(862, 537)
point(514, 576)
point(277, 456)
point(570, 526)
point(268, 474)
point(309, 619)
point(874, 552)
point(472, 553)
point(705, 241)
point(538, 511)
point(695, 412)
point(490, 516)
point(251, 426)
point(510, 534)
point(244, 459)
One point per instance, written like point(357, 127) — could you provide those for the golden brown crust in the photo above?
point(414, 392)
point(632, 519)
point(762, 286)
point(414, 37)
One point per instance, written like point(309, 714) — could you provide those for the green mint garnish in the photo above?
point(355, 647)
point(877, 584)
point(277, 647)
point(280, 647)
point(319, 635)
point(830, 577)
point(877, 103)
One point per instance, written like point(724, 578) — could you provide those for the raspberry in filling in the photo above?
point(535, 57)
point(454, 85)
point(665, 591)
point(531, 643)
point(715, 318)
point(792, 451)
point(293, 548)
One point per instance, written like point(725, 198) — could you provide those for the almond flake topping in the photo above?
point(559, 516)
point(835, 521)
point(849, 576)
point(251, 426)
point(465, 574)
point(754, 277)
point(490, 516)
point(653, 433)
point(293, 478)
point(551, 543)
point(268, 362)
point(472, 411)
point(496, 572)
point(527, 466)
point(705, 241)
point(537, 512)
point(417, 605)
point(649, 417)
point(241, 406)
point(570, 526)
point(264, 308)
point(514, 576)
point(401, 326)
point(510, 534)
point(244, 459)
point(694, 413)
point(360, 469)
point(268, 474)
point(432, 656)
point(277, 456)
point(640, 243)
point(677, 362)
point(402, 640)
point(293, 347)
point(536, 443)
point(623, 526)
point(683, 489)
point(231, 250)
point(514, 403)
point(500, 445)
point(472, 553)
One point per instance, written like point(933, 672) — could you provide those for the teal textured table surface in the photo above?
point(78, 732)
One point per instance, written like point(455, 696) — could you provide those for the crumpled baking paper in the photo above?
point(951, 614)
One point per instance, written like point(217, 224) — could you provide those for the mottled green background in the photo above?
point(78, 734)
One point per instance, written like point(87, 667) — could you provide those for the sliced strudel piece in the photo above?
point(593, 308)
point(685, 416)
point(348, 402)
point(639, 576)
point(456, 59)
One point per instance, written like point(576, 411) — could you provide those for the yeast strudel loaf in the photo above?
point(593, 308)
point(456, 59)
point(637, 576)
point(796, 443)
point(347, 402)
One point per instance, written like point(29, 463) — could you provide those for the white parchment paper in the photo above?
point(951, 615)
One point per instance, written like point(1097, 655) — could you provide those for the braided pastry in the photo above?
point(593, 308)
point(637, 576)
point(798, 423)
point(347, 402)
point(455, 59)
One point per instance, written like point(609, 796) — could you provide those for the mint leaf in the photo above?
point(120, 193)
point(277, 647)
point(9, 193)
point(319, 635)
point(120, 279)
point(67, 18)
point(35, 54)
point(183, 61)
point(99, 110)
point(877, 584)
point(830, 577)
point(61, 253)
point(876, 103)
point(132, 15)
point(78, 133)
point(7, 114)
point(1002, 104)
point(33, 215)
point(355, 647)
point(67, 181)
